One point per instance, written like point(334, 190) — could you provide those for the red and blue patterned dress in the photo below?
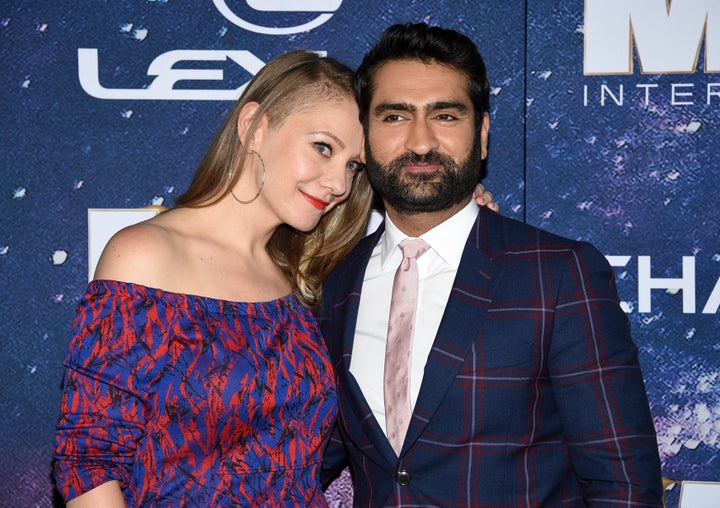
point(193, 401)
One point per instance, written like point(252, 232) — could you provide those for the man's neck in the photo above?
point(415, 224)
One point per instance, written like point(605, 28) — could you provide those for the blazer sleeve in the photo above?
point(599, 388)
point(334, 460)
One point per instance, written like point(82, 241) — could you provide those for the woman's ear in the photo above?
point(246, 116)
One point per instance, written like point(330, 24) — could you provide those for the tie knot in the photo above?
point(413, 247)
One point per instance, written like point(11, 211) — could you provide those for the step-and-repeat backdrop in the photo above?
point(605, 126)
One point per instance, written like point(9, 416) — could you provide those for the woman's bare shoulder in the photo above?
point(140, 253)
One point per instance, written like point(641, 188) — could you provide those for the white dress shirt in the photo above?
point(436, 270)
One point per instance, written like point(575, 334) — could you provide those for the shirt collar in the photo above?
point(447, 239)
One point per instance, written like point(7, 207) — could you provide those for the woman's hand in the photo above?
point(485, 198)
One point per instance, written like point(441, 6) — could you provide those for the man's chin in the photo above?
point(420, 205)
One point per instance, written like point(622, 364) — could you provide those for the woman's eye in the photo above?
point(323, 148)
point(355, 166)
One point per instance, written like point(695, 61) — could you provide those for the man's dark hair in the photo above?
point(428, 44)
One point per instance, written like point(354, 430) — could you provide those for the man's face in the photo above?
point(423, 153)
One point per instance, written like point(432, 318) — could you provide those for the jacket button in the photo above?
point(403, 477)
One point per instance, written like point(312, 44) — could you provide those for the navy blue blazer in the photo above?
point(532, 394)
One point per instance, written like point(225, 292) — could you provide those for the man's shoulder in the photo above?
point(355, 260)
point(364, 247)
point(506, 235)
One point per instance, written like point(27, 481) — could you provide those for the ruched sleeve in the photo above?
point(103, 408)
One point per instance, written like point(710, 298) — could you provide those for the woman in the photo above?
point(196, 375)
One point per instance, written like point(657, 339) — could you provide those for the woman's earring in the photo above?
point(262, 182)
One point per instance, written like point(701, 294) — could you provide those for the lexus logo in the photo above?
point(319, 10)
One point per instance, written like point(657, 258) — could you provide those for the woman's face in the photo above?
point(310, 160)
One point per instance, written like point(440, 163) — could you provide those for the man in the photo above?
point(524, 384)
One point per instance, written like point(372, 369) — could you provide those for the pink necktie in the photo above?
point(396, 380)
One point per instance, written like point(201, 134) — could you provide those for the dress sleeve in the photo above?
point(104, 403)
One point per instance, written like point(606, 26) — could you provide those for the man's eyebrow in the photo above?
point(459, 106)
point(384, 107)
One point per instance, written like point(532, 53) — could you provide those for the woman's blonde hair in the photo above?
point(286, 84)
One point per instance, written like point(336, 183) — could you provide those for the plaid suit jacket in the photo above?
point(532, 394)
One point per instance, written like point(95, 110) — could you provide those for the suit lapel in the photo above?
point(472, 292)
point(373, 441)
point(379, 450)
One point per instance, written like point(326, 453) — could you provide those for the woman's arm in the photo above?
point(107, 495)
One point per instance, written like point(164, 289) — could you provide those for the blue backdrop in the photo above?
point(100, 110)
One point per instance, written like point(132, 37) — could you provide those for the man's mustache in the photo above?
point(432, 157)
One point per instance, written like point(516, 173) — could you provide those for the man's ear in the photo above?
point(246, 117)
point(484, 130)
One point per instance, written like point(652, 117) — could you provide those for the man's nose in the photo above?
point(421, 138)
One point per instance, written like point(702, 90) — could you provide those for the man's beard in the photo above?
point(425, 192)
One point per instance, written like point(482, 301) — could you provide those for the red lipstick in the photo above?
point(316, 202)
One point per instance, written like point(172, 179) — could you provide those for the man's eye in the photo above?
point(323, 148)
point(447, 117)
point(393, 118)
